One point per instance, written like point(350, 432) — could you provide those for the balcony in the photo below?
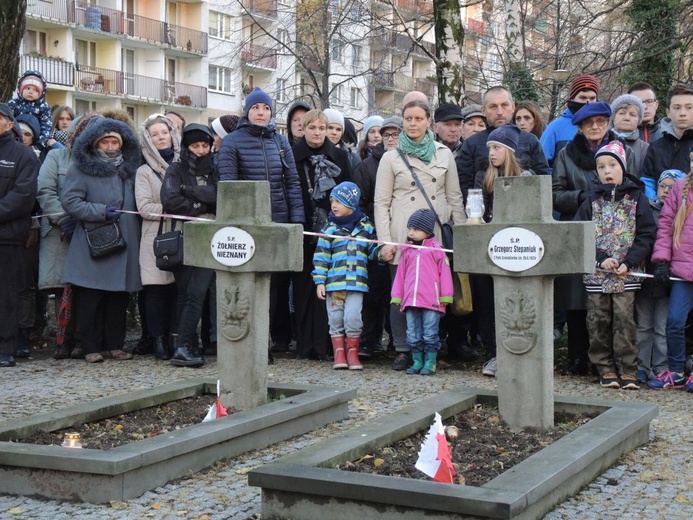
point(386, 39)
point(393, 81)
point(119, 23)
point(264, 8)
point(57, 72)
point(259, 56)
point(426, 86)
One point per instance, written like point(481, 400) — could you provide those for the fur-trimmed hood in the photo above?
point(89, 164)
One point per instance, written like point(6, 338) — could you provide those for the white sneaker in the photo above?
point(490, 367)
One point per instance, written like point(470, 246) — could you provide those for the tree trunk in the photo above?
point(12, 22)
point(449, 34)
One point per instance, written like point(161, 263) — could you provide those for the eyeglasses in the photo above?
point(665, 187)
point(649, 102)
point(601, 123)
point(391, 135)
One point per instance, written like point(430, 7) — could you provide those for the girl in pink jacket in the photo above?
point(423, 287)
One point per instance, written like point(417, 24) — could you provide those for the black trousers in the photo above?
point(482, 294)
point(376, 304)
point(193, 285)
point(312, 330)
point(281, 329)
point(160, 308)
point(101, 318)
point(11, 258)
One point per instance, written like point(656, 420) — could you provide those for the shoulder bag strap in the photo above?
point(418, 184)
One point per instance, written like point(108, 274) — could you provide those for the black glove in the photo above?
point(582, 197)
point(661, 272)
point(111, 214)
point(68, 226)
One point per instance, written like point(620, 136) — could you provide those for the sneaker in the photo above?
point(490, 367)
point(401, 362)
point(689, 384)
point(610, 380)
point(641, 376)
point(667, 380)
point(94, 357)
point(629, 382)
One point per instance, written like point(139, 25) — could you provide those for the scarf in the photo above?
point(167, 154)
point(114, 157)
point(325, 172)
point(347, 222)
point(423, 150)
point(629, 136)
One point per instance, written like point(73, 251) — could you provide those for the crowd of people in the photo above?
point(83, 201)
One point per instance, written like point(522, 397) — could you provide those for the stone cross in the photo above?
point(244, 247)
point(524, 248)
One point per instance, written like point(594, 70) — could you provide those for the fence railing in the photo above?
point(56, 72)
point(113, 21)
point(267, 8)
point(259, 56)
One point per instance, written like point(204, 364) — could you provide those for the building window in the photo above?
point(219, 25)
point(281, 91)
point(355, 55)
point(34, 41)
point(336, 94)
point(85, 53)
point(337, 47)
point(219, 79)
point(355, 97)
point(283, 37)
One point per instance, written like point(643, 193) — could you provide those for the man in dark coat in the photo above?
point(498, 108)
point(18, 173)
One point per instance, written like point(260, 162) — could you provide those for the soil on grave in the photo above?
point(133, 426)
point(485, 447)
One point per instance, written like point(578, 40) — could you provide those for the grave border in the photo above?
point(129, 470)
point(303, 485)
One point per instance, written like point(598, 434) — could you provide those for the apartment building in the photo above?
point(202, 57)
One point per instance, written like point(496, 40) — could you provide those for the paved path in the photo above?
point(653, 482)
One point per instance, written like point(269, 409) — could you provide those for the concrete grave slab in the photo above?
point(304, 485)
point(128, 471)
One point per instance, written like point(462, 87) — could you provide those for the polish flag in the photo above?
point(216, 410)
point(434, 457)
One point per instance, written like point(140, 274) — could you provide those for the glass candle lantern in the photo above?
point(475, 204)
point(72, 440)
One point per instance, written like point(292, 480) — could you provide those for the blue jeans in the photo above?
point(344, 316)
point(680, 304)
point(422, 329)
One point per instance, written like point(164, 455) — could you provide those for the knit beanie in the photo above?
point(348, 194)
point(334, 117)
point(615, 149)
point(108, 134)
point(196, 133)
point(591, 110)
point(627, 100)
point(424, 220)
point(584, 82)
point(224, 125)
point(369, 123)
point(257, 96)
point(675, 175)
point(506, 135)
point(33, 81)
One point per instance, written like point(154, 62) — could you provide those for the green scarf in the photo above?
point(423, 150)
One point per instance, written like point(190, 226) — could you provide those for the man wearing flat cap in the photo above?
point(448, 126)
point(18, 173)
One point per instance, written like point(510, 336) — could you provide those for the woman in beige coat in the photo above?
point(397, 196)
point(160, 143)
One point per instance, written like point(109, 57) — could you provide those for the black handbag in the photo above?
point(168, 248)
point(105, 239)
point(445, 229)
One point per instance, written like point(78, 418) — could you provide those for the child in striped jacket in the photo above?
point(341, 271)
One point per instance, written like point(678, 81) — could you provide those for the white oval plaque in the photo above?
point(232, 246)
point(515, 249)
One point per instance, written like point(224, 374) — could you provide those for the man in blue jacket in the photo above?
point(584, 89)
point(18, 173)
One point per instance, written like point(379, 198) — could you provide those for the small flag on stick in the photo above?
point(216, 410)
point(434, 458)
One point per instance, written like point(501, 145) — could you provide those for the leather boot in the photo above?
point(352, 346)
point(160, 348)
point(23, 347)
point(187, 356)
point(338, 350)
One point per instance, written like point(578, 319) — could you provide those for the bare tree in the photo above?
point(12, 22)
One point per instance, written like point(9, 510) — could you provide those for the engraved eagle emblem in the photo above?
point(518, 312)
point(236, 308)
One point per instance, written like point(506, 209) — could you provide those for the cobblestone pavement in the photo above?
point(653, 482)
